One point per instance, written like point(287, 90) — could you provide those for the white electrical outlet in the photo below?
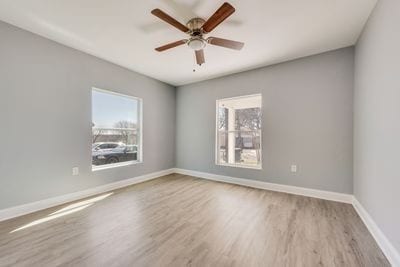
point(293, 168)
point(75, 171)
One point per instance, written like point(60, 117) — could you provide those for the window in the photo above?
point(238, 135)
point(116, 129)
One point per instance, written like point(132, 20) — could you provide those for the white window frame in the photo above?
point(217, 147)
point(140, 131)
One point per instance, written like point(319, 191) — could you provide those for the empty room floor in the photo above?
point(179, 220)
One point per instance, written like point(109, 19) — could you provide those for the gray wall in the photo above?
point(307, 120)
point(377, 119)
point(45, 115)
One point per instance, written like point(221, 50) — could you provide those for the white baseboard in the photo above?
point(339, 197)
point(24, 209)
point(386, 246)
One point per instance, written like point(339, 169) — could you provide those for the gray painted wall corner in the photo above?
point(376, 118)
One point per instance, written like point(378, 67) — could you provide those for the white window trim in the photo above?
point(243, 166)
point(140, 132)
point(115, 165)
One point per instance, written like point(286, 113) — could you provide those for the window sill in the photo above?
point(115, 165)
point(240, 166)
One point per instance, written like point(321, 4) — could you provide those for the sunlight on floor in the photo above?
point(81, 203)
point(65, 211)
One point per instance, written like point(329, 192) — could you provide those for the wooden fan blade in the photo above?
point(171, 45)
point(168, 19)
point(219, 16)
point(200, 57)
point(225, 43)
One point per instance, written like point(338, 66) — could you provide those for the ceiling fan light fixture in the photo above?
point(196, 43)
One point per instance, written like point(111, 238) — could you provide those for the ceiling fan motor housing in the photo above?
point(195, 25)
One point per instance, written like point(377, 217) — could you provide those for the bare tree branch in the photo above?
point(125, 125)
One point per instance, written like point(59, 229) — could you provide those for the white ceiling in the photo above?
point(124, 32)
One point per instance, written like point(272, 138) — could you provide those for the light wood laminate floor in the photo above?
point(180, 220)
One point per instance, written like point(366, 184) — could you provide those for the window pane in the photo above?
point(248, 119)
point(247, 149)
point(111, 110)
point(222, 119)
point(223, 155)
point(239, 131)
point(115, 131)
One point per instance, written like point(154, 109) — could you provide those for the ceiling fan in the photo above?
point(197, 28)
